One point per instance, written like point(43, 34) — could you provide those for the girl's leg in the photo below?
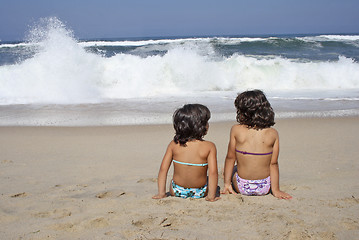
point(171, 189)
point(234, 179)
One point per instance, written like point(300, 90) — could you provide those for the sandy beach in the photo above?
point(97, 183)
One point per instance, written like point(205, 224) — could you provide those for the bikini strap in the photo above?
point(257, 154)
point(191, 164)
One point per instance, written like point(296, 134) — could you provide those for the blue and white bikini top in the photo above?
point(192, 164)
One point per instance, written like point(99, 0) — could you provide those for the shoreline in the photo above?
point(159, 111)
point(97, 182)
point(216, 120)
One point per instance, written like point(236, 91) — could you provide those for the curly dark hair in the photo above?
point(190, 123)
point(254, 110)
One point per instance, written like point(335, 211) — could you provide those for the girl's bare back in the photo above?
point(196, 152)
point(254, 151)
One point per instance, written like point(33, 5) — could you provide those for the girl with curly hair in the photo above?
point(254, 146)
point(192, 156)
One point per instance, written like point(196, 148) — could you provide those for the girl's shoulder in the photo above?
point(172, 144)
point(205, 144)
point(208, 146)
point(209, 143)
point(239, 128)
point(271, 130)
point(270, 133)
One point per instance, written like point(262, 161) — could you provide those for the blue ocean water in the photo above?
point(52, 78)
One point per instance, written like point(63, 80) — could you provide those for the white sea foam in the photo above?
point(130, 89)
point(64, 72)
point(341, 37)
point(127, 43)
point(349, 39)
point(222, 40)
point(319, 114)
point(15, 45)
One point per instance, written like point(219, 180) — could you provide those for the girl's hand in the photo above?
point(159, 196)
point(228, 189)
point(282, 195)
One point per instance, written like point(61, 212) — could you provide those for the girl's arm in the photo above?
point(274, 172)
point(212, 174)
point(229, 164)
point(162, 174)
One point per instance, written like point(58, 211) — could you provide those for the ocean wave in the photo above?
point(16, 45)
point(341, 37)
point(318, 98)
point(62, 70)
point(223, 40)
point(137, 43)
point(319, 114)
point(72, 75)
point(219, 40)
point(345, 39)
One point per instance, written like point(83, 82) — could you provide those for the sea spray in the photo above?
point(59, 72)
point(62, 80)
point(64, 70)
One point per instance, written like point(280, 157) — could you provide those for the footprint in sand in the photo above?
point(68, 227)
point(293, 187)
point(23, 194)
point(111, 194)
point(165, 222)
point(152, 222)
point(55, 214)
point(97, 223)
point(147, 180)
point(350, 224)
point(81, 225)
point(71, 188)
point(327, 235)
point(234, 198)
point(6, 161)
point(351, 200)
point(334, 204)
point(297, 234)
point(167, 201)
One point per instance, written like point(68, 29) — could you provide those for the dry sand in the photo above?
point(97, 183)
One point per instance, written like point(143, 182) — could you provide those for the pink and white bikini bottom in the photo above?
point(253, 187)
